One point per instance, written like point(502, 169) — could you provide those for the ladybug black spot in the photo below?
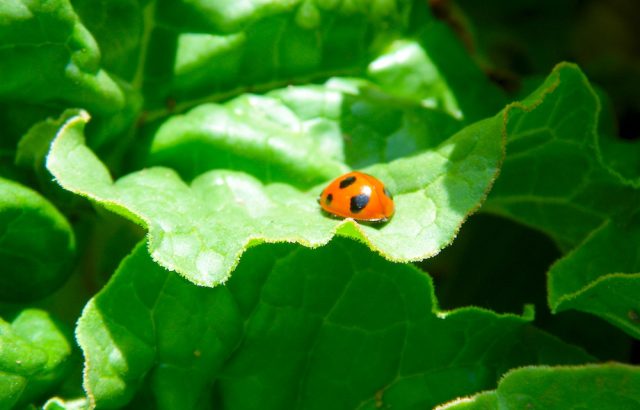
point(347, 181)
point(387, 193)
point(328, 199)
point(358, 203)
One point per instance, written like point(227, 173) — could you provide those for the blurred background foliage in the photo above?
point(517, 44)
point(519, 41)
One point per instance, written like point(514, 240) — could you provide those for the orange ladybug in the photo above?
point(359, 196)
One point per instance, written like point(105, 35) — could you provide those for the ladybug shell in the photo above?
point(359, 196)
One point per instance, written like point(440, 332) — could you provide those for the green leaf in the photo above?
point(31, 155)
point(118, 28)
point(147, 316)
point(619, 156)
point(474, 94)
point(297, 328)
point(405, 69)
point(63, 58)
point(65, 71)
point(261, 135)
point(34, 357)
point(37, 244)
point(550, 173)
point(554, 179)
point(16, 119)
point(610, 386)
point(602, 276)
point(200, 230)
point(502, 281)
point(299, 135)
point(261, 44)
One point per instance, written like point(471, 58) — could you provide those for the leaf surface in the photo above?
point(50, 34)
point(602, 276)
point(37, 244)
point(118, 27)
point(34, 356)
point(261, 44)
point(297, 328)
point(299, 135)
point(609, 386)
point(555, 179)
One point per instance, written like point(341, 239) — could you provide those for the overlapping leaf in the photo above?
point(37, 244)
point(34, 357)
point(602, 276)
point(118, 27)
point(333, 327)
point(555, 180)
point(200, 230)
point(607, 387)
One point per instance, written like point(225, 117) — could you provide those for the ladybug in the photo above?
point(359, 196)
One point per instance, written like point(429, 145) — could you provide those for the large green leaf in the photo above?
point(610, 386)
point(37, 244)
point(333, 327)
point(200, 230)
point(555, 179)
point(34, 357)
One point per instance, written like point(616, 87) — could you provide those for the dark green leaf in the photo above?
point(555, 179)
point(602, 276)
point(476, 97)
point(333, 327)
point(118, 28)
point(498, 264)
point(611, 386)
point(37, 244)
